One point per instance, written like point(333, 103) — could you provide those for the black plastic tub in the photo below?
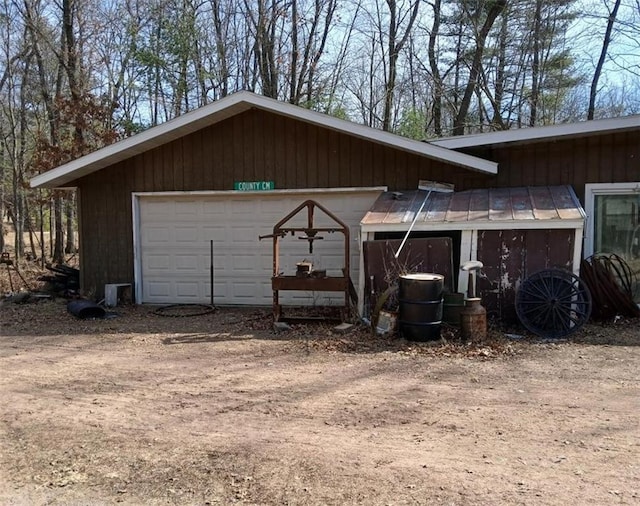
point(85, 309)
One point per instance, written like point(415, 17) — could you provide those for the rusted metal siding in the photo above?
point(510, 256)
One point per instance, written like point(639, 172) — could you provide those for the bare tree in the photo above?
point(493, 10)
point(395, 43)
point(603, 54)
point(438, 85)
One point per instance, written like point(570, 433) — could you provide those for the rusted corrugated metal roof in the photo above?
point(486, 208)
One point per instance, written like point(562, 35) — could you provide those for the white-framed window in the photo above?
point(613, 222)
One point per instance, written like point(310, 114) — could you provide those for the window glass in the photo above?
point(617, 229)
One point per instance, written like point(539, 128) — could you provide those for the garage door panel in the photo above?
point(157, 262)
point(216, 234)
point(184, 289)
point(266, 264)
point(238, 207)
point(156, 234)
point(188, 263)
point(158, 289)
point(247, 235)
point(188, 208)
point(156, 210)
point(244, 289)
point(175, 235)
point(186, 233)
point(222, 264)
point(243, 263)
point(214, 209)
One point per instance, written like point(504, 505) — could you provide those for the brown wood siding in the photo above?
point(610, 158)
point(257, 145)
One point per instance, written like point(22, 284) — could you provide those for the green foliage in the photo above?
point(128, 127)
point(327, 105)
point(412, 124)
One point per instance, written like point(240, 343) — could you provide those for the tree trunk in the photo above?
point(29, 227)
point(494, 11)
point(51, 226)
point(58, 250)
point(16, 215)
point(603, 54)
point(43, 251)
point(497, 120)
point(435, 71)
point(394, 47)
point(221, 47)
point(70, 247)
point(293, 73)
point(2, 188)
point(331, 8)
point(535, 67)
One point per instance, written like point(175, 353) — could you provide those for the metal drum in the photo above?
point(420, 315)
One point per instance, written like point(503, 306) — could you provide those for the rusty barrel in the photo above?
point(420, 315)
point(473, 320)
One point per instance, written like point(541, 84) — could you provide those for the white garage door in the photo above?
point(174, 235)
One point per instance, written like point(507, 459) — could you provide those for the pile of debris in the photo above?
point(610, 281)
point(65, 281)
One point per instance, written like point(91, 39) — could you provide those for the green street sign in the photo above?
point(253, 186)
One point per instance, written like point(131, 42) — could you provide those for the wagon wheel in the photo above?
point(553, 303)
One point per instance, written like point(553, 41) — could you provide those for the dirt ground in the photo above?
point(219, 409)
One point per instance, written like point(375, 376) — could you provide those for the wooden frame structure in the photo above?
point(308, 282)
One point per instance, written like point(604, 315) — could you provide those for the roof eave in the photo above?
point(532, 134)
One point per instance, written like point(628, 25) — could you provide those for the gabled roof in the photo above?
point(532, 134)
point(233, 105)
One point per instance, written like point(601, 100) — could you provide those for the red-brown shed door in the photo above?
point(382, 269)
point(509, 256)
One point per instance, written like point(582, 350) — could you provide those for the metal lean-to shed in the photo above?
point(513, 231)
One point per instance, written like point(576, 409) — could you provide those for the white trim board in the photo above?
point(301, 191)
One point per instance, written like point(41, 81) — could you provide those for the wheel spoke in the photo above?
point(553, 303)
point(538, 310)
point(534, 290)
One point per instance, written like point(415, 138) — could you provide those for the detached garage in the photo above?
point(156, 209)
